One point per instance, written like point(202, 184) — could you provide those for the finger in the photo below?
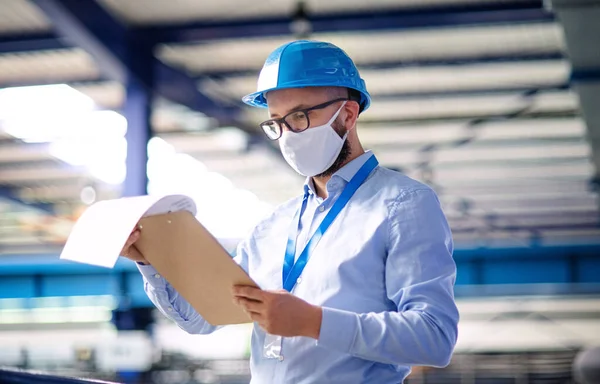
point(136, 255)
point(255, 317)
point(132, 239)
point(126, 248)
point(251, 305)
point(251, 293)
point(135, 236)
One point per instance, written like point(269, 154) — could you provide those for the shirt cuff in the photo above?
point(338, 330)
point(152, 277)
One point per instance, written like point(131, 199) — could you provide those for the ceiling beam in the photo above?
point(30, 42)
point(460, 61)
point(473, 118)
point(123, 54)
point(375, 20)
point(523, 91)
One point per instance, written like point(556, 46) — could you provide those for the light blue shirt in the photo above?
point(383, 273)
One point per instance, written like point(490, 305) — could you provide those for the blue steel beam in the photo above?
point(137, 108)
point(35, 264)
point(119, 58)
point(88, 26)
point(413, 63)
point(516, 91)
point(556, 269)
point(525, 289)
point(474, 119)
point(374, 20)
point(514, 271)
point(30, 42)
point(122, 53)
point(56, 80)
point(35, 43)
point(181, 90)
point(462, 61)
point(127, 56)
point(45, 41)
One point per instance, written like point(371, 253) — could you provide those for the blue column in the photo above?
point(137, 110)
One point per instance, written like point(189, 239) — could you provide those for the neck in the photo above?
point(320, 182)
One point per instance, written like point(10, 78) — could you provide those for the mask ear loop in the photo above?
point(336, 114)
point(335, 117)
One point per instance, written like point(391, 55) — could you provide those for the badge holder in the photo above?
point(272, 347)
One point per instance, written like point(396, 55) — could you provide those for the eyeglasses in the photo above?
point(296, 121)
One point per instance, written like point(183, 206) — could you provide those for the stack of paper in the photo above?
point(173, 241)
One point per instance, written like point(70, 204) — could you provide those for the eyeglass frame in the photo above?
point(281, 121)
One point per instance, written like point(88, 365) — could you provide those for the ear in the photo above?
point(351, 108)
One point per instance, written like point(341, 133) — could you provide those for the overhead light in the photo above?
point(37, 127)
point(104, 157)
point(78, 134)
point(46, 100)
point(159, 148)
point(300, 25)
point(170, 172)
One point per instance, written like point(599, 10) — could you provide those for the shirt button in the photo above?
point(321, 208)
point(170, 308)
point(280, 358)
point(156, 275)
point(299, 280)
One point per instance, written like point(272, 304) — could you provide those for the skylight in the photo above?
point(80, 134)
point(77, 132)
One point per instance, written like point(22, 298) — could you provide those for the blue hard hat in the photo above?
point(306, 63)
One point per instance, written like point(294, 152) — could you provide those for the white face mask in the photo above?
point(313, 151)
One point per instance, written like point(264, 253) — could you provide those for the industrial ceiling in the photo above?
point(472, 97)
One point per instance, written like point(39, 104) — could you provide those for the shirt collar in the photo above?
point(346, 173)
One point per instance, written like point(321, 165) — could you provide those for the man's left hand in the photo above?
point(279, 312)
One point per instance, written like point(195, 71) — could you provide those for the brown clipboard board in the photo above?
point(195, 264)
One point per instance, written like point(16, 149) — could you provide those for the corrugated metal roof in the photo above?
point(106, 94)
point(180, 11)
point(378, 47)
point(504, 135)
point(21, 16)
point(45, 67)
point(424, 80)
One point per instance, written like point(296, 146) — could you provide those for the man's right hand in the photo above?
point(130, 251)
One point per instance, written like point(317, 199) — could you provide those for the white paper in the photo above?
point(99, 235)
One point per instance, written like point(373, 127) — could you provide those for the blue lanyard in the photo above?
point(291, 270)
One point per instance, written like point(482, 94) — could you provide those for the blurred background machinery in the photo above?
point(494, 103)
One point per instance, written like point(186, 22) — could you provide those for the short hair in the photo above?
point(342, 92)
point(336, 92)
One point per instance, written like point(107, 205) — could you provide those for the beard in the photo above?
point(345, 152)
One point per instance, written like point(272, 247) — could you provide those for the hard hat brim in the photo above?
point(258, 99)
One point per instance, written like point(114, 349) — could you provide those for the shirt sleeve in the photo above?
point(420, 274)
point(174, 306)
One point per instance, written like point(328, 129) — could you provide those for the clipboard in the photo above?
point(195, 264)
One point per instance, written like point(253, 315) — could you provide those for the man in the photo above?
point(356, 273)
